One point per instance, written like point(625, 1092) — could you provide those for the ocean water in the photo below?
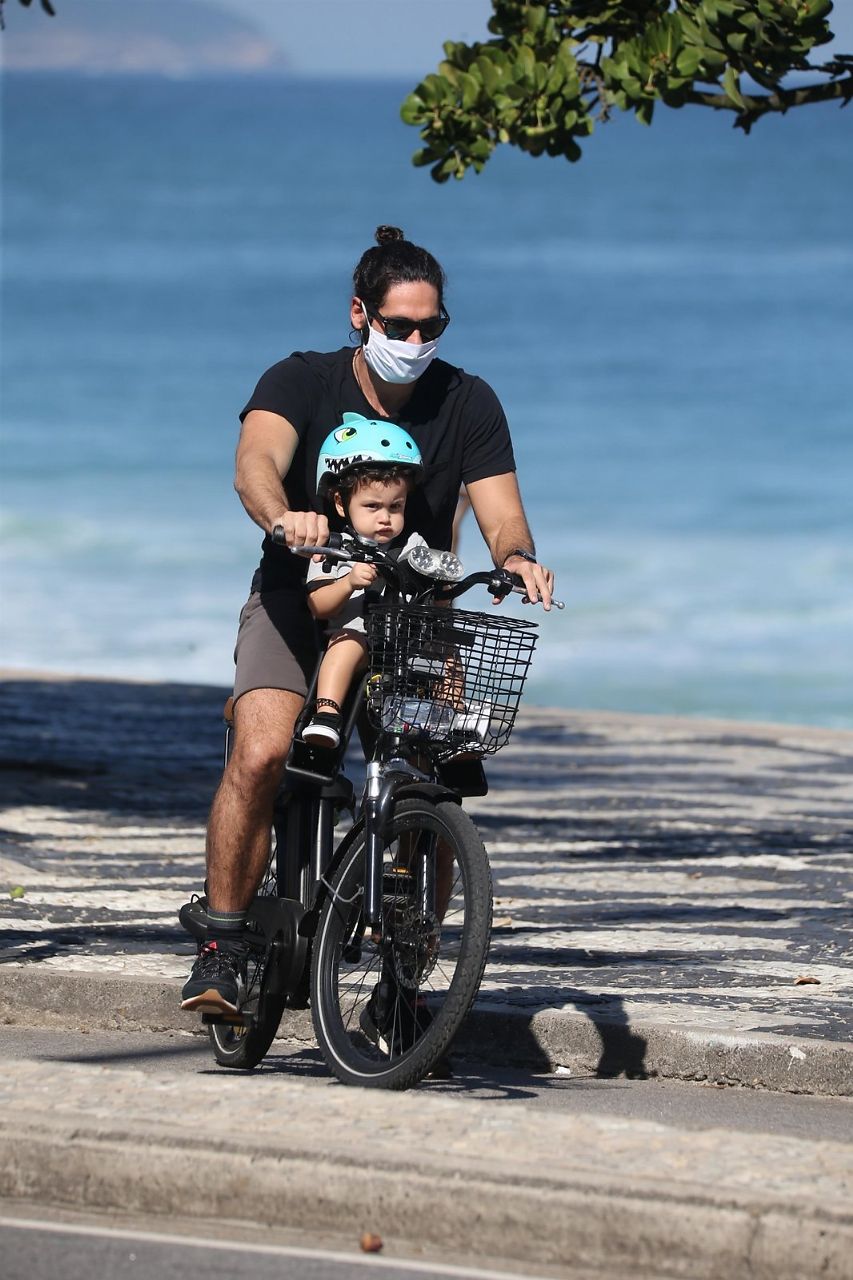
point(668, 324)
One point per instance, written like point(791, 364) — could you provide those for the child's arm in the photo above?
point(326, 601)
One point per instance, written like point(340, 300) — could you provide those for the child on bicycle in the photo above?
point(365, 472)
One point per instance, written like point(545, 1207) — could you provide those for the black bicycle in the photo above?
point(385, 931)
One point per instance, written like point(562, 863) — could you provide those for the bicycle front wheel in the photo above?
point(387, 1006)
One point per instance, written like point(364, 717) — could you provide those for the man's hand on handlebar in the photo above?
point(295, 529)
point(533, 582)
point(538, 581)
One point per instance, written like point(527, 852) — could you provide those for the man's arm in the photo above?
point(496, 502)
point(264, 455)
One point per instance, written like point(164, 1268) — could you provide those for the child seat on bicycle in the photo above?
point(365, 472)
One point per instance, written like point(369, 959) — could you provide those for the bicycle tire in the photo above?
point(433, 995)
point(244, 1047)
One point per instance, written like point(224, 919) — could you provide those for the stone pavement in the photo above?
point(485, 1180)
point(662, 885)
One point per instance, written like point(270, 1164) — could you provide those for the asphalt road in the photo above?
point(40, 1242)
point(41, 1248)
point(669, 1102)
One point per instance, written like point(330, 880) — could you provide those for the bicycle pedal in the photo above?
point(226, 1019)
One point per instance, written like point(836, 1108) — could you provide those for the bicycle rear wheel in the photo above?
point(386, 1008)
point(242, 1045)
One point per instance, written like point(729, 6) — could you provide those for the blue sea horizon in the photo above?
point(667, 324)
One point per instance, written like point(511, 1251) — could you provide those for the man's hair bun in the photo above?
point(387, 235)
point(393, 260)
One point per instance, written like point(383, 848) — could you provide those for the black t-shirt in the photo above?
point(455, 418)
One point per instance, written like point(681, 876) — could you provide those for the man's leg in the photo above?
point(238, 833)
point(238, 840)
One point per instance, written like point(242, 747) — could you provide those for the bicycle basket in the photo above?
point(447, 677)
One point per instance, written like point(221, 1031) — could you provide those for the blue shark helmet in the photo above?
point(367, 441)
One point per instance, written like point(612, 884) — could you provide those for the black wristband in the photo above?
point(525, 555)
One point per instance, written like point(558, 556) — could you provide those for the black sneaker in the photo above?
point(213, 986)
point(323, 730)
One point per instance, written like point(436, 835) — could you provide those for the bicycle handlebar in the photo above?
point(499, 581)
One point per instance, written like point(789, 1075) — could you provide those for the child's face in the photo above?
point(376, 510)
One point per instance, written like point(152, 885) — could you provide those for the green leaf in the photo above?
point(470, 89)
point(689, 61)
point(537, 16)
point(713, 58)
point(17, 891)
point(489, 73)
point(525, 65)
point(732, 88)
point(481, 148)
point(427, 91)
point(556, 79)
point(413, 109)
point(435, 89)
point(540, 77)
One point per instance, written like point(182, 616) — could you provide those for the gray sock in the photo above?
point(225, 926)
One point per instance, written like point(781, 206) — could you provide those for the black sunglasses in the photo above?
point(399, 328)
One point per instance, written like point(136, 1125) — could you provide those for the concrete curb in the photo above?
point(501, 1035)
point(527, 1186)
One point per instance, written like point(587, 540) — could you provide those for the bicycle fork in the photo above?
point(382, 783)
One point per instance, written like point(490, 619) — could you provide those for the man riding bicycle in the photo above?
point(459, 426)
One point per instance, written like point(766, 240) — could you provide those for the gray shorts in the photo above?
point(277, 643)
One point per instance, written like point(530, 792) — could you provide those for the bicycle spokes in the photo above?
point(391, 981)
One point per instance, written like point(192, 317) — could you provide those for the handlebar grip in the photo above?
point(519, 589)
point(280, 540)
point(525, 599)
point(331, 553)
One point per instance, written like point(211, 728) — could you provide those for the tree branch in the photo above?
point(780, 100)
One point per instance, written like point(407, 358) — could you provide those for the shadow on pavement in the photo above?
point(622, 1051)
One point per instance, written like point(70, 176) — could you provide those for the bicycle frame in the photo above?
point(305, 820)
point(314, 784)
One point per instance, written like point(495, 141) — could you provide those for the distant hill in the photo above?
point(166, 37)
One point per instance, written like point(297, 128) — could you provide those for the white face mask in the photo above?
point(396, 361)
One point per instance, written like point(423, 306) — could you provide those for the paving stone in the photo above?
point(681, 871)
